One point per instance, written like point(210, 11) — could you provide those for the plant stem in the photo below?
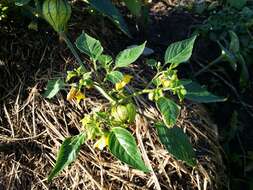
point(144, 91)
point(104, 93)
point(218, 59)
point(72, 49)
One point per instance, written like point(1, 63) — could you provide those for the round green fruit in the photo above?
point(124, 113)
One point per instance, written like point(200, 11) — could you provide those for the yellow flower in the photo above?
point(79, 96)
point(166, 83)
point(75, 94)
point(102, 142)
point(126, 79)
point(72, 93)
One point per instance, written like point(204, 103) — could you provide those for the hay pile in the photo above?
point(32, 129)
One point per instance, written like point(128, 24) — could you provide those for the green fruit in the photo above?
point(56, 13)
point(124, 113)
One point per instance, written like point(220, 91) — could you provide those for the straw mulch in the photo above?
point(32, 129)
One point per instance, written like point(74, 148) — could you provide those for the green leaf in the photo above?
point(177, 143)
point(238, 4)
point(229, 56)
point(114, 77)
point(128, 56)
point(152, 63)
point(21, 2)
point(108, 9)
point(198, 93)
point(53, 87)
point(169, 110)
point(67, 153)
point(234, 45)
point(134, 6)
point(70, 75)
point(90, 46)
point(105, 60)
point(123, 146)
point(179, 52)
point(86, 80)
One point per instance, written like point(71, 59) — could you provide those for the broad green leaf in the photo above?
point(179, 52)
point(53, 87)
point(90, 46)
point(108, 9)
point(105, 60)
point(238, 4)
point(177, 143)
point(128, 56)
point(234, 45)
point(169, 110)
point(229, 56)
point(198, 93)
point(134, 6)
point(123, 146)
point(67, 153)
point(114, 77)
point(21, 2)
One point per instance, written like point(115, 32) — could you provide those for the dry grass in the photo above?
point(32, 129)
point(36, 129)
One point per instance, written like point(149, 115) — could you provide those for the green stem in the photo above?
point(72, 49)
point(151, 81)
point(218, 59)
point(144, 91)
point(104, 93)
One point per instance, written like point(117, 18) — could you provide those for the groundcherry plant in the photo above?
point(108, 126)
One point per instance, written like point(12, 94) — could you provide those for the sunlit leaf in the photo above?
point(53, 87)
point(128, 56)
point(105, 61)
point(169, 110)
point(67, 153)
point(89, 45)
point(179, 52)
point(114, 76)
point(123, 146)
